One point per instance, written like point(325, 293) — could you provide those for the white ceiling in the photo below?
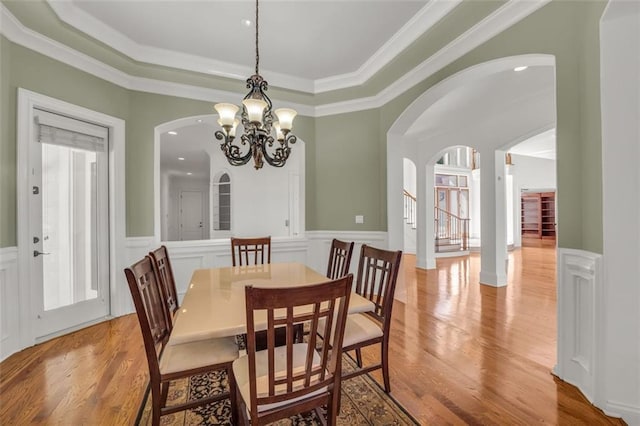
point(302, 41)
point(542, 145)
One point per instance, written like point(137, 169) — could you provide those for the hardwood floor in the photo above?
point(461, 353)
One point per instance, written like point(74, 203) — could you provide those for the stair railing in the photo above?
point(409, 207)
point(451, 228)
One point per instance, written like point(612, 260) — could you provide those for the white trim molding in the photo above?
point(27, 103)
point(580, 320)
point(9, 302)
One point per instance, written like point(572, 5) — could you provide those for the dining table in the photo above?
point(214, 303)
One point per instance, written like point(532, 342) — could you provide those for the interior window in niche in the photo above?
point(223, 222)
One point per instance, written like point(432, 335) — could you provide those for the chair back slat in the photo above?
point(250, 251)
point(147, 299)
point(339, 259)
point(167, 282)
point(377, 276)
point(317, 368)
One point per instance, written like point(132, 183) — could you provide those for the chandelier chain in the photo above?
point(257, 51)
point(257, 120)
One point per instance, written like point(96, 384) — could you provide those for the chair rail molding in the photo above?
point(580, 321)
point(9, 297)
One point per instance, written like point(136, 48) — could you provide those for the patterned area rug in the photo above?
point(363, 403)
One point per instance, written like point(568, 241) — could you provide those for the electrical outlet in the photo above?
point(359, 218)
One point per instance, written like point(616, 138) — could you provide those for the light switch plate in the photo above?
point(359, 218)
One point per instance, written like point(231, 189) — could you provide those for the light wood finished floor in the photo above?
point(461, 353)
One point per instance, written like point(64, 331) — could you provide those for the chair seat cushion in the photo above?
point(359, 328)
point(187, 356)
point(241, 373)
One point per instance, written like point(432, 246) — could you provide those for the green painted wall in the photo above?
point(348, 172)
point(24, 68)
point(346, 153)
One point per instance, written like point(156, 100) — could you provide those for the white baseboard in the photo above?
point(629, 413)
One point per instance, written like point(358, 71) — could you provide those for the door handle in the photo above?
point(37, 253)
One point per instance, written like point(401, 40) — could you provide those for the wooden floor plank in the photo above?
point(461, 353)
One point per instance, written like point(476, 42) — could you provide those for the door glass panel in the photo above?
point(442, 208)
point(453, 202)
point(69, 224)
point(464, 204)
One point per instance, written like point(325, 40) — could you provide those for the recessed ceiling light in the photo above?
point(522, 68)
point(172, 133)
point(189, 173)
point(246, 22)
point(199, 120)
point(181, 158)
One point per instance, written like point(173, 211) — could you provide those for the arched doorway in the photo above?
point(506, 106)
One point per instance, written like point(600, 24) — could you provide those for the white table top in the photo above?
point(214, 304)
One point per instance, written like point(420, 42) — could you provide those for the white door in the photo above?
point(68, 208)
point(191, 215)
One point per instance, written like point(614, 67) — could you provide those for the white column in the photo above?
point(430, 250)
point(618, 372)
point(425, 254)
point(493, 252)
point(395, 221)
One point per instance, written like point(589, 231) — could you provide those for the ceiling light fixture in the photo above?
point(172, 133)
point(181, 158)
point(522, 68)
point(257, 120)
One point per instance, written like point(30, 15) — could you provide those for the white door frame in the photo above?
point(25, 128)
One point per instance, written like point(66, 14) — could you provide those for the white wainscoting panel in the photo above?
point(320, 243)
point(189, 255)
point(579, 319)
point(9, 302)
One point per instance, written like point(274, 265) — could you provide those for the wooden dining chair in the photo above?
point(254, 251)
point(168, 362)
point(376, 281)
point(282, 381)
point(168, 290)
point(339, 259)
point(250, 251)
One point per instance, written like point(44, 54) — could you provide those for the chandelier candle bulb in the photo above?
point(227, 113)
point(255, 109)
point(279, 134)
point(232, 131)
point(286, 116)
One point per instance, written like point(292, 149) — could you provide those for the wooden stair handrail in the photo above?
point(451, 214)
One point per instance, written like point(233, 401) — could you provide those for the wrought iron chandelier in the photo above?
point(257, 120)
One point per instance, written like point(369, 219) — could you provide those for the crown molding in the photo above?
point(424, 20)
point(507, 15)
point(428, 16)
point(503, 18)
